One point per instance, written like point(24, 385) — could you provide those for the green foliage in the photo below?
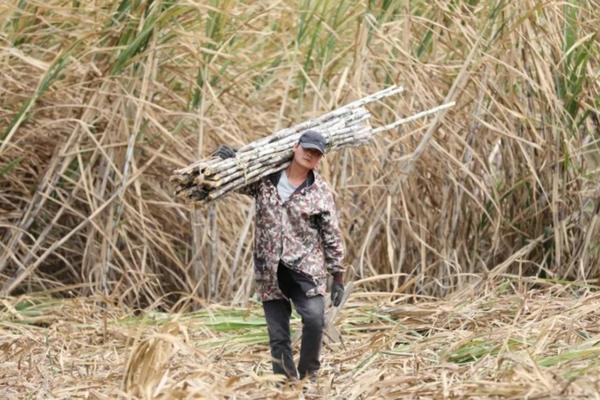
point(572, 355)
point(134, 42)
point(8, 167)
point(478, 348)
point(217, 21)
point(32, 311)
point(48, 79)
point(20, 22)
point(572, 79)
point(386, 10)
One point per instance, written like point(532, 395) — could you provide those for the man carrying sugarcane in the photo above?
point(297, 241)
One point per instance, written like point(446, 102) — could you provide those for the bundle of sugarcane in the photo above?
point(211, 178)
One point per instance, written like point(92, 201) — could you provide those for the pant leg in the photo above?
point(277, 315)
point(312, 310)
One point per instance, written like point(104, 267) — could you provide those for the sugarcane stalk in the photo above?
point(347, 126)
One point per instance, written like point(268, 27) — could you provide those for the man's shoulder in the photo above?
point(266, 186)
point(321, 186)
point(320, 181)
point(273, 178)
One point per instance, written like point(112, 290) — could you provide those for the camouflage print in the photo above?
point(303, 233)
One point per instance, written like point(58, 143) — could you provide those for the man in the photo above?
point(297, 241)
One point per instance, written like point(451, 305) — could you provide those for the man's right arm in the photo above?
point(225, 152)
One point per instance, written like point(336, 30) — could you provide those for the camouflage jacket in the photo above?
point(303, 233)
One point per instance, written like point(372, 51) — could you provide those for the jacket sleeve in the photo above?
point(333, 244)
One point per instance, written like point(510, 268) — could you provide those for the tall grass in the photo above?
point(100, 101)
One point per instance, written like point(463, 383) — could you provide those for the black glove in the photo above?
point(224, 152)
point(337, 292)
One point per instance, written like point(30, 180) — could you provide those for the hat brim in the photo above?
point(312, 146)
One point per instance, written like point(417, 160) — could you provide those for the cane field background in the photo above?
point(472, 237)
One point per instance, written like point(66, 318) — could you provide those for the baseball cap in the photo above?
point(312, 140)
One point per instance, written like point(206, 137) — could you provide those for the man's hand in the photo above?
point(224, 152)
point(337, 292)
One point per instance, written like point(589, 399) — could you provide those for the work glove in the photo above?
point(337, 290)
point(224, 152)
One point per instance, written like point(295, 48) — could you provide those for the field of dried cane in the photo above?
point(101, 101)
point(475, 235)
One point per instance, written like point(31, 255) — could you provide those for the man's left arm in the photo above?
point(333, 249)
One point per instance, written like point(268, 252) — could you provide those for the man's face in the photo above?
point(308, 158)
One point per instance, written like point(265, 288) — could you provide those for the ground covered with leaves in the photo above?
point(507, 340)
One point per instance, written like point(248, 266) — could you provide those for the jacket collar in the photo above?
point(310, 179)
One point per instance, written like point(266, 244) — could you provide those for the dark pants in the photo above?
point(277, 314)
